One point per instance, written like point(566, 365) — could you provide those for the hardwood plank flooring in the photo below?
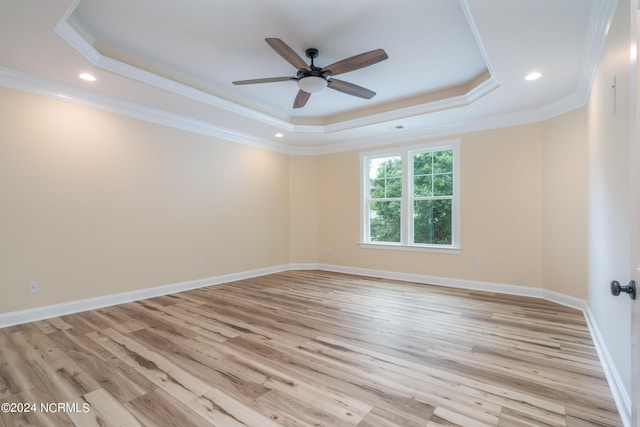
point(308, 348)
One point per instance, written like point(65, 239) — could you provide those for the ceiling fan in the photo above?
point(313, 79)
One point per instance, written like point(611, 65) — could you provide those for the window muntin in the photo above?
point(410, 197)
point(432, 196)
point(385, 198)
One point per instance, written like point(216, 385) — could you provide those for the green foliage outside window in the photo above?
point(384, 215)
point(432, 222)
point(432, 197)
point(433, 190)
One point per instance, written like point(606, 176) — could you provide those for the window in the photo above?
point(410, 198)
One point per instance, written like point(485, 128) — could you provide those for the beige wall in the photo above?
point(501, 213)
point(94, 203)
point(564, 177)
point(610, 206)
point(303, 209)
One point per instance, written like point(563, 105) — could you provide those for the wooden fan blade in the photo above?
point(356, 62)
point(351, 89)
point(301, 99)
point(287, 53)
point(267, 80)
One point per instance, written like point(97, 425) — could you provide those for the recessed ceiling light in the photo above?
point(88, 77)
point(534, 75)
point(279, 135)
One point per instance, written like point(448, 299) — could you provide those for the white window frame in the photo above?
point(406, 221)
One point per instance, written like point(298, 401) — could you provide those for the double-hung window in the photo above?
point(410, 198)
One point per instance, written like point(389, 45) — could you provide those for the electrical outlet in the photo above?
point(476, 265)
point(200, 263)
point(33, 287)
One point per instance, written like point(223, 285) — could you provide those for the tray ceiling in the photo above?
point(452, 64)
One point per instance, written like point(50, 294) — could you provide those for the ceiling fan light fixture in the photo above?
point(312, 84)
point(311, 79)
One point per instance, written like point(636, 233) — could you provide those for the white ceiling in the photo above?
point(453, 65)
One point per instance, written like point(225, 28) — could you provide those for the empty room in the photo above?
point(285, 213)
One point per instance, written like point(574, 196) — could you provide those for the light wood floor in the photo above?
point(309, 349)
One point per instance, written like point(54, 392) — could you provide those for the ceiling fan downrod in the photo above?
point(311, 79)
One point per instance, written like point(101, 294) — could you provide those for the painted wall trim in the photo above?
point(620, 395)
point(475, 285)
point(45, 312)
point(28, 83)
point(24, 82)
point(474, 89)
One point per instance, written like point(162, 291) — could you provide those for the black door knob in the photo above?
point(629, 289)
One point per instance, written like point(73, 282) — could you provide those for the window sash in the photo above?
point(408, 198)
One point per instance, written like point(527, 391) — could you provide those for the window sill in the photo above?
point(413, 248)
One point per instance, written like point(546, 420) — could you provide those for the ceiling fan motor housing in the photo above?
point(312, 71)
point(311, 79)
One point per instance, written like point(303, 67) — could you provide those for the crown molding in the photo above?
point(29, 83)
point(84, 48)
point(476, 35)
point(469, 93)
point(599, 22)
point(600, 19)
point(431, 131)
point(428, 103)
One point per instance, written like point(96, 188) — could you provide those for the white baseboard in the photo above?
point(620, 394)
point(305, 266)
point(459, 283)
point(39, 313)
